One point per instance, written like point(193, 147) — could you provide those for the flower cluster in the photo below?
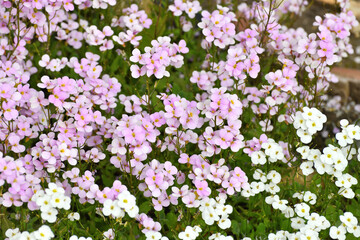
point(308, 122)
point(161, 156)
point(134, 21)
point(216, 211)
point(218, 27)
point(50, 200)
point(43, 233)
point(190, 233)
point(191, 8)
point(125, 202)
point(154, 61)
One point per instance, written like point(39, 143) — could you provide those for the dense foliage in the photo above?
point(177, 122)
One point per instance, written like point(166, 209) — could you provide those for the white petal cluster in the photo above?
point(308, 122)
point(306, 197)
point(348, 134)
point(272, 151)
point(219, 236)
point(268, 182)
point(308, 224)
point(216, 211)
point(74, 237)
point(125, 202)
point(50, 200)
point(313, 159)
point(43, 233)
point(190, 233)
point(349, 224)
point(153, 235)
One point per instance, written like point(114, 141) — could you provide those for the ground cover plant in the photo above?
point(178, 122)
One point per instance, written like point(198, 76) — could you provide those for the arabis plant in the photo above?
point(173, 120)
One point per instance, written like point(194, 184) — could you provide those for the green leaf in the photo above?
point(5, 223)
point(260, 230)
point(235, 227)
point(171, 220)
point(145, 207)
point(88, 209)
point(243, 226)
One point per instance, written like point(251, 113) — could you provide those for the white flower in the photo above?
point(304, 135)
point(74, 216)
point(313, 220)
point(126, 200)
point(353, 131)
point(355, 230)
point(74, 237)
point(49, 215)
point(258, 157)
point(337, 232)
point(259, 175)
point(26, 236)
point(224, 222)
point(207, 203)
point(299, 121)
point(299, 195)
point(321, 167)
point(343, 138)
point(340, 162)
point(302, 209)
point(53, 188)
point(313, 126)
point(304, 151)
point(133, 212)
point(310, 197)
point(57, 200)
point(274, 176)
point(152, 235)
point(257, 187)
point(43, 202)
point(188, 234)
point(348, 219)
point(223, 210)
point(66, 203)
point(309, 234)
point(279, 204)
point(44, 233)
point(314, 154)
point(306, 168)
point(347, 192)
point(309, 113)
point(297, 223)
point(111, 208)
point(210, 216)
point(271, 199)
point(344, 123)
point(328, 155)
point(197, 229)
point(11, 233)
point(272, 188)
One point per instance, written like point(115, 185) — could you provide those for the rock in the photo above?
point(349, 83)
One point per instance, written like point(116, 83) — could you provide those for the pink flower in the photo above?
point(181, 47)
point(10, 113)
point(202, 188)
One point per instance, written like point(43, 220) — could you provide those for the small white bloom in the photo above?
point(74, 216)
point(337, 232)
point(310, 197)
point(274, 176)
point(152, 235)
point(44, 233)
point(302, 209)
point(126, 200)
point(306, 168)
